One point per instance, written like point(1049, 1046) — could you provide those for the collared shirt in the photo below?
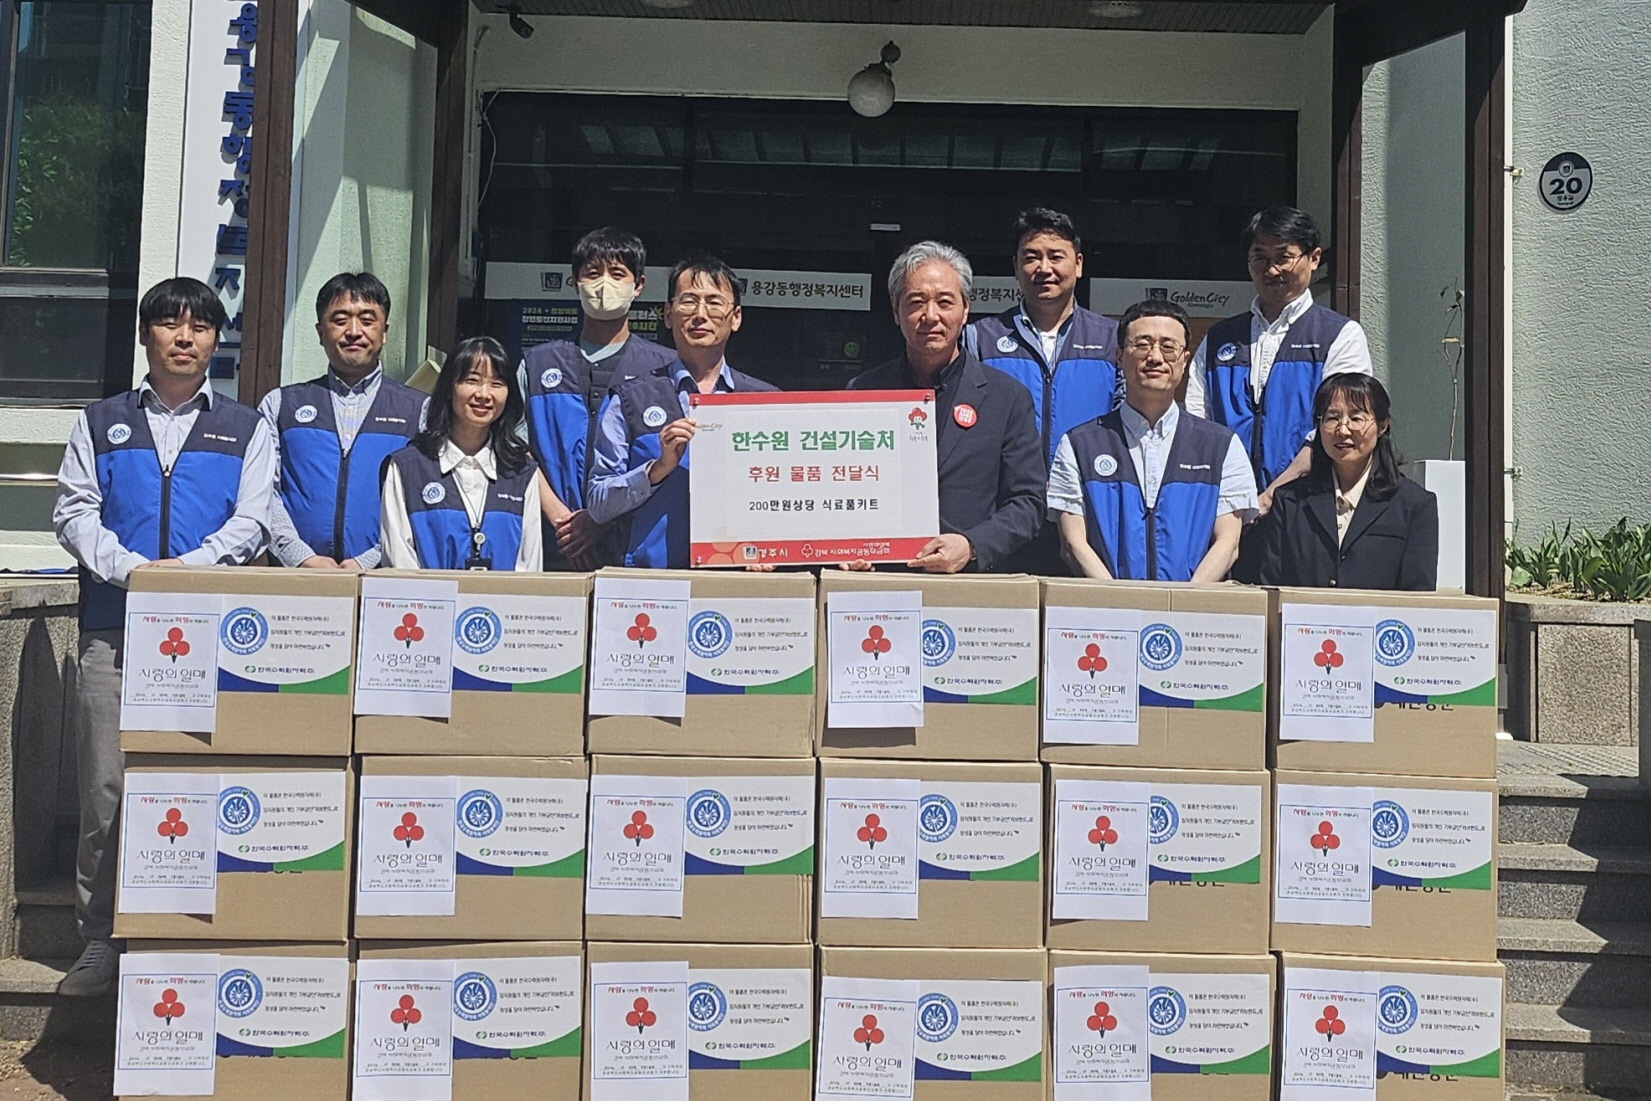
point(614, 489)
point(1349, 352)
point(1347, 502)
point(78, 515)
point(1048, 343)
point(1149, 447)
point(472, 474)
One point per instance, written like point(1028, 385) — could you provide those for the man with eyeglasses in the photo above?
point(640, 468)
point(1144, 493)
point(1256, 373)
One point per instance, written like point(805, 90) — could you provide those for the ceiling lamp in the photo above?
point(871, 90)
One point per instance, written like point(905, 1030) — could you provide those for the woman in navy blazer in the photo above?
point(1353, 521)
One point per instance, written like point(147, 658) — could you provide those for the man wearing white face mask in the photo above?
point(565, 382)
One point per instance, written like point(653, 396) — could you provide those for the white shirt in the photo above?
point(1347, 502)
point(472, 474)
point(1349, 352)
point(1149, 446)
point(78, 515)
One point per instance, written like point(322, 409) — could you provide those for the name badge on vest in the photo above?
point(965, 416)
point(476, 561)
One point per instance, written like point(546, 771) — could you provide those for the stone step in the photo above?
point(1605, 1050)
point(46, 921)
point(31, 1010)
point(1590, 884)
point(1562, 809)
point(1566, 963)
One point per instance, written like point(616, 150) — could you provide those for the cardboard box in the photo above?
point(1182, 682)
point(1418, 1030)
point(517, 849)
point(747, 1013)
point(285, 645)
point(750, 671)
point(518, 659)
point(978, 1018)
point(1205, 1022)
point(1189, 866)
point(283, 1016)
point(505, 1019)
point(1393, 866)
point(977, 662)
point(212, 827)
point(736, 833)
point(1405, 681)
point(956, 846)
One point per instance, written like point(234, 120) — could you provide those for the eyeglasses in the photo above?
point(1282, 263)
point(715, 308)
point(1169, 346)
point(1358, 422)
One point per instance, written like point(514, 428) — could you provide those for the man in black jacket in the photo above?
point(990, 457)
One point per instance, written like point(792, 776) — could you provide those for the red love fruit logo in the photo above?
point(409, 631)
point(409, 831)
point(1102, 1020)
point(917, 418)
point(1327, 658)
point(169, 1008)
point(405, 1013)
point(1325, 839)
point(638, 829)
point(642, 631)
point(872, 832)
point(640, 1016)
point(173, 826)
point(1091, 661)
point(174, 645)
point(1103, 834)
point(876, 643)
point(1330, 1025)
point(868, 1033)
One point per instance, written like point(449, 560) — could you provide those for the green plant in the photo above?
point(1614, 565)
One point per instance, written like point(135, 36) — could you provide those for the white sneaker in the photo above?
point(93, 974)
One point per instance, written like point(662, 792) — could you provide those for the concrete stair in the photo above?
point(30, 1008)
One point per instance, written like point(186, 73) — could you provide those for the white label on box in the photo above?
point(875, 660)
point(748, 1018)
point(639, 1031)
point(1091, 678)
point(1205, 833)
point(1100, 1034)
point(1329, 1038)
point(750, 642)
point(405, 657)
point(1101, 850)
point(1440, 656)
point(509, 822)
point(271, 1005)
point(639, 649)
point(740, 825)
point(165, 1042)
point(1425, 837)
point(168, 843)
point(1211, 1023)
point(403, 1030)
point(519, 643)
point(1327, 678)
point(1211, 661)
point(1439, 1026)
point(407, 865)
point(1322, 840)
point(981, 655)
point(975, 1027)
point(272, 821)
point(170, 670)
point(869, 866)
point(868, 1038)
point(972, 829)
point(517, 1008)
point(636, 855)
point(298, 641)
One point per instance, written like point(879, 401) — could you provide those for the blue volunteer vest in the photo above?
point(1167, 541)
point(658, 533)
point(1083, 383)
point(442, 534)
point(561, 420)
point(331, 496)
point(154, 512)
point(1273, 433)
